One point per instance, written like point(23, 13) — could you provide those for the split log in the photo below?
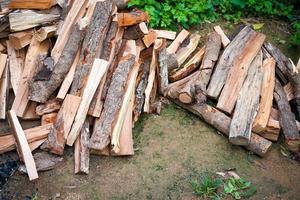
point(211, 55)
point(3, 58)
point(178, 41)
point(287, 118)
point(150, 38)
point(49, 118)
point(45, 32)
point(16, 59)
point(163, 34)
point(272, 130)
point(289, 91)
point(30, 113)
point(98, 70)
point(224, 38)
point(31, 4)
point(81, 150)
point(62, 126)
point(48, 107)
point(221, 122)
point(143, 27)
point(35, 50)
point(132, 18)
point(133, 33)
point(266, 96)
point(238, 72)
point(226, 61)
point(4, 91)
point(247, 104)
point(23, 147)
point(189, 67)
point(2, 49)
point(92, 44)
point(163, 73)
point(186, 49)
point(41, 90)
point(20, 40)
point(7, 142)
point(44, 69)
point(29, 19)
point(75, 13)
point(187, 93)
point(104, 125)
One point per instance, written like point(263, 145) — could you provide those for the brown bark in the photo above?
point(49, 107)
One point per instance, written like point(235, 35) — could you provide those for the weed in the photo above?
point(239, 188)
point(158, 167)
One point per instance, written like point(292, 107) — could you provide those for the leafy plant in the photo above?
point(239, 188)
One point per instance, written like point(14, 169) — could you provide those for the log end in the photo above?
point(239, 140)
point(185, 98)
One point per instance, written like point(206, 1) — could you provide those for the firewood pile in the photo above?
point(88, 69)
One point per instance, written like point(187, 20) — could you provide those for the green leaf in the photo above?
point(257, 26)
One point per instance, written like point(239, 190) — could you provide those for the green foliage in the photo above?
point(296, 35)
point(239, 188)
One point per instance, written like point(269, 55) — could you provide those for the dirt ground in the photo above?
point(170, 150)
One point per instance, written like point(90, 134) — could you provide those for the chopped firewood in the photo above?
point(62, 126)
point(48, 107)
point(247, 104)
point(23, 147)
point(20, 40)
point(30, 113)
point(143, 27)
point(288, 89)
point(7, 142)
point(45, 32)
point(41, 90)
point(238, 72)
point(266, 96)
point(163, 34)
point(286, 118)
point(128, 97)
point(98, 70)
point(16, 59)
point(81, 150)
point(76, 12)
point(133, 33)
point(92, 44)
point(29, 19)
point(187, 93)
point(35, 50)
point(163, 69)
point(224, 38)
point(211, 55)
point(49, 118)
point(31, 4)
point(150, 38)
point(3, 58)
point(226, 60)
point(189, 67)
point(178, 41)
point(44, 69)
point(221, 122)
point(2, 48)
point(104, 125)
point(132, 18)
point(4, 92)
point(272, 130)
point(34, 145)
point(187, 49)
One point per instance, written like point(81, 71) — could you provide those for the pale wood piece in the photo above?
point(45, 32)
point(163, 34)
point(132, 18)
point(226, 60)
point(31, 4)
point(288, 89)
point(186, 50)
point(221, 122)
point(238, 72)
point(4, 92)
point(74, 14)
point(23, 147)
point(29, 19)
point(81, 150)
point(150, 38)
point(16, 65)
point(34, 145)
point(35, 50)
point(143, 27)
point(62, 126)
point(247, 104)
point(20, 40)
point(48, 107)
point(30, 113)
point(115, 93)
point(266, 96)
point(163, 68)
point(98, 70)
point(3, 59)
point(49, 118)
point(178, 41)
point(272, 130)
point(128, 96)
point(7, 142)
point(66, 84)
point(189, 67)
point(224, 38)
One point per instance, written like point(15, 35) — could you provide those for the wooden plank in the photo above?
point(35, 50)
point(62, 126)
point(150, 38)
point(186, 50)
point(98, 70)
point(23, 147)
point(247, 104)
point(178, 41)
point(21, 39)
point(163, 34)
point(132, 18)
point(226, 61)
point(31, 4)
point(224, 38)
point(45, 32)
point(238, 72)
point(266, 96)
point(4, 92)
